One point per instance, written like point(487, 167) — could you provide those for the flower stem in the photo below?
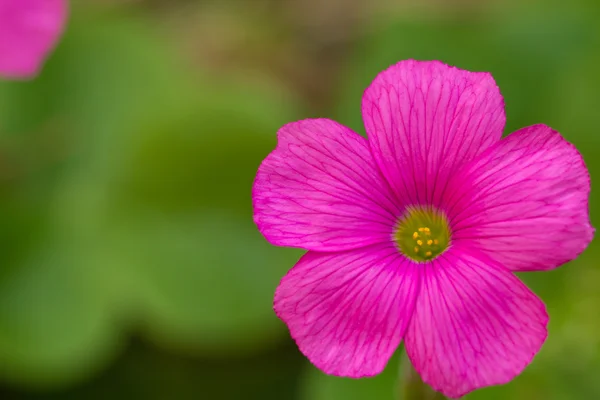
point(411, 386)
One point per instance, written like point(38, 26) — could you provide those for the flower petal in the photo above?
point(348, 311)
point(525, 201)
point(29, 29)
point(320, 190)
point(475, 324)
point(425, 119)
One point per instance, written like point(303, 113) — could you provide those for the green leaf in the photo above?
point(202, 275)
point(318, 386)
point(53, 328)
point(57, 132)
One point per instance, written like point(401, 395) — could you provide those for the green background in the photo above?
point(129, 263)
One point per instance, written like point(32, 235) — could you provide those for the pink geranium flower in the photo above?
point(29, 30)
point(416, 233)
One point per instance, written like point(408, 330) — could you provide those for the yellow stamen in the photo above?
point(422, 233)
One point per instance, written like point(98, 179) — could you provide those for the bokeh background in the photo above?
point(129, 263)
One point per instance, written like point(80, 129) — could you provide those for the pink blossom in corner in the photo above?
point(415, 233)
point(29, 30)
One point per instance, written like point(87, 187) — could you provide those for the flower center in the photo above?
point(422, 234)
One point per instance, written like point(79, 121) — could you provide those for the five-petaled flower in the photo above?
point(416, 233)
point(29, 30)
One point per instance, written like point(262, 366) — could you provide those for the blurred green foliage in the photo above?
point(125, 179)
point(142, 216)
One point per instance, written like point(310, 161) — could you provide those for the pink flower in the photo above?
point(29, 30)
point(415, 233)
